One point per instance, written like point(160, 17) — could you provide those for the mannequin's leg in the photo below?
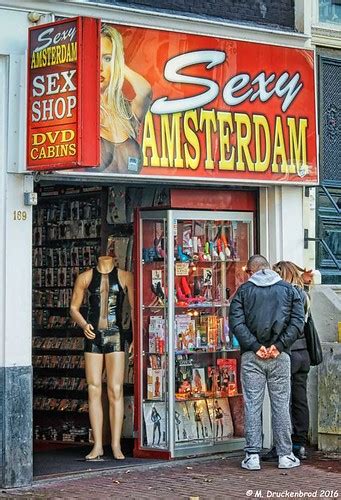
point(93, 373)
point(114, 362)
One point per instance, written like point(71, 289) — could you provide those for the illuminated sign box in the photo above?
point(63, 95)
point(171, 106)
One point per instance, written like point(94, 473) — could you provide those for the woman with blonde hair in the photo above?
point(300, 364)
point(120, 118)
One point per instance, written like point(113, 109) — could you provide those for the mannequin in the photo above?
point(104, 343)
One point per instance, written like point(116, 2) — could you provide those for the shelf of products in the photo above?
point(189, 392)
point(67, 240)
point(72, 227)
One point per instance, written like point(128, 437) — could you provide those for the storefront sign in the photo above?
point(188, 107)
point(63, 95)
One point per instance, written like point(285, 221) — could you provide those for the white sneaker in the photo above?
point(251, 462)
point(288, 461)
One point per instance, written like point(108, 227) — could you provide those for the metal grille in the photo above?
point(330, 113)
point(328, 250)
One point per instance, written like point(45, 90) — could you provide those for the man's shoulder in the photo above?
point(250, 285)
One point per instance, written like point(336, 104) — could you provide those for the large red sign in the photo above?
point(180, 106)
point(63, 95)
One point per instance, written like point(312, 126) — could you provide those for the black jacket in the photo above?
point(301, 342)
point(266, 311)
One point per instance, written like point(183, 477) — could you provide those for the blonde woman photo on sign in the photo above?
point(120, 119)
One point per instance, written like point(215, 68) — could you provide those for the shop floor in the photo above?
point(59, 462)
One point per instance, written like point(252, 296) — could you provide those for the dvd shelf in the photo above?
point(67, 240)
point(190, 395)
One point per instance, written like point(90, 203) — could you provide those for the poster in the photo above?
point(192, 107)
point(155, 424)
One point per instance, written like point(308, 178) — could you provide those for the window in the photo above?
point(330, 11)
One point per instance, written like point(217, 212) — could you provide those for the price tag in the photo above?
point(181, 269)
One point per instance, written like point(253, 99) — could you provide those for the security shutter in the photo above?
point(330, 120)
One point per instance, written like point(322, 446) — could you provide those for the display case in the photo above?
point(189, 397)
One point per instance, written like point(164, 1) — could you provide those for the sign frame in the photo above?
point(86, 122)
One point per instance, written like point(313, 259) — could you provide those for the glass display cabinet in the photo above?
point(189, 397)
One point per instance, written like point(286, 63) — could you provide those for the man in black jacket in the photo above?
point(266, 316)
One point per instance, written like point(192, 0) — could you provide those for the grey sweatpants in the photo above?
point(255, 374)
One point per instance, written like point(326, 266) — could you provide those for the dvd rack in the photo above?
point(66, 241)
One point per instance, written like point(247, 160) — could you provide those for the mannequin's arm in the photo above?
point(81, 285)
point(130, 290)
point(127, 283)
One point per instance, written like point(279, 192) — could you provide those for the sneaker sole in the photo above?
point(249, 468)
point(291, 466)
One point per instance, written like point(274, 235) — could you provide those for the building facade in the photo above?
point(284, 210)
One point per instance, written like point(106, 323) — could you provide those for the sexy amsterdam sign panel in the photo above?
point(172, 106)
point(63, 95)
point(230, 110)
point(206, 109)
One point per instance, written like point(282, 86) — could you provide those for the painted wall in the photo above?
point(15, 262)
point(15, 257)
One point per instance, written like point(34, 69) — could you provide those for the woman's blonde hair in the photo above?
point(117, 108)
point(289, 272)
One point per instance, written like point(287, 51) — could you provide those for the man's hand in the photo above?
point(273, 352)
point(262, 353)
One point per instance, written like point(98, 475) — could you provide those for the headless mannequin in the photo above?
point(94, 361)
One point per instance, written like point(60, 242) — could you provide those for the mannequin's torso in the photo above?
point(107, 286)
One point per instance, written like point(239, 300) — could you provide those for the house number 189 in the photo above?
point(19, 215)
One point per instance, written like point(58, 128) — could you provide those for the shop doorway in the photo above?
point(73, 225)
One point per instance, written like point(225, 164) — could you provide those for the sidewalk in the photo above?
point(218, 477)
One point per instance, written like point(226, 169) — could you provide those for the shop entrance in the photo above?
point(74, 224)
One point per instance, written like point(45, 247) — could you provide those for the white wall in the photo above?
point(282, 222)
point(15, 235)
point(3, 117)
point(18, 275)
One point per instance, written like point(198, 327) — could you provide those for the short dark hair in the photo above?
point(257, 262)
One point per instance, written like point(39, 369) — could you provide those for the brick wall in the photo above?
point(273, 12)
